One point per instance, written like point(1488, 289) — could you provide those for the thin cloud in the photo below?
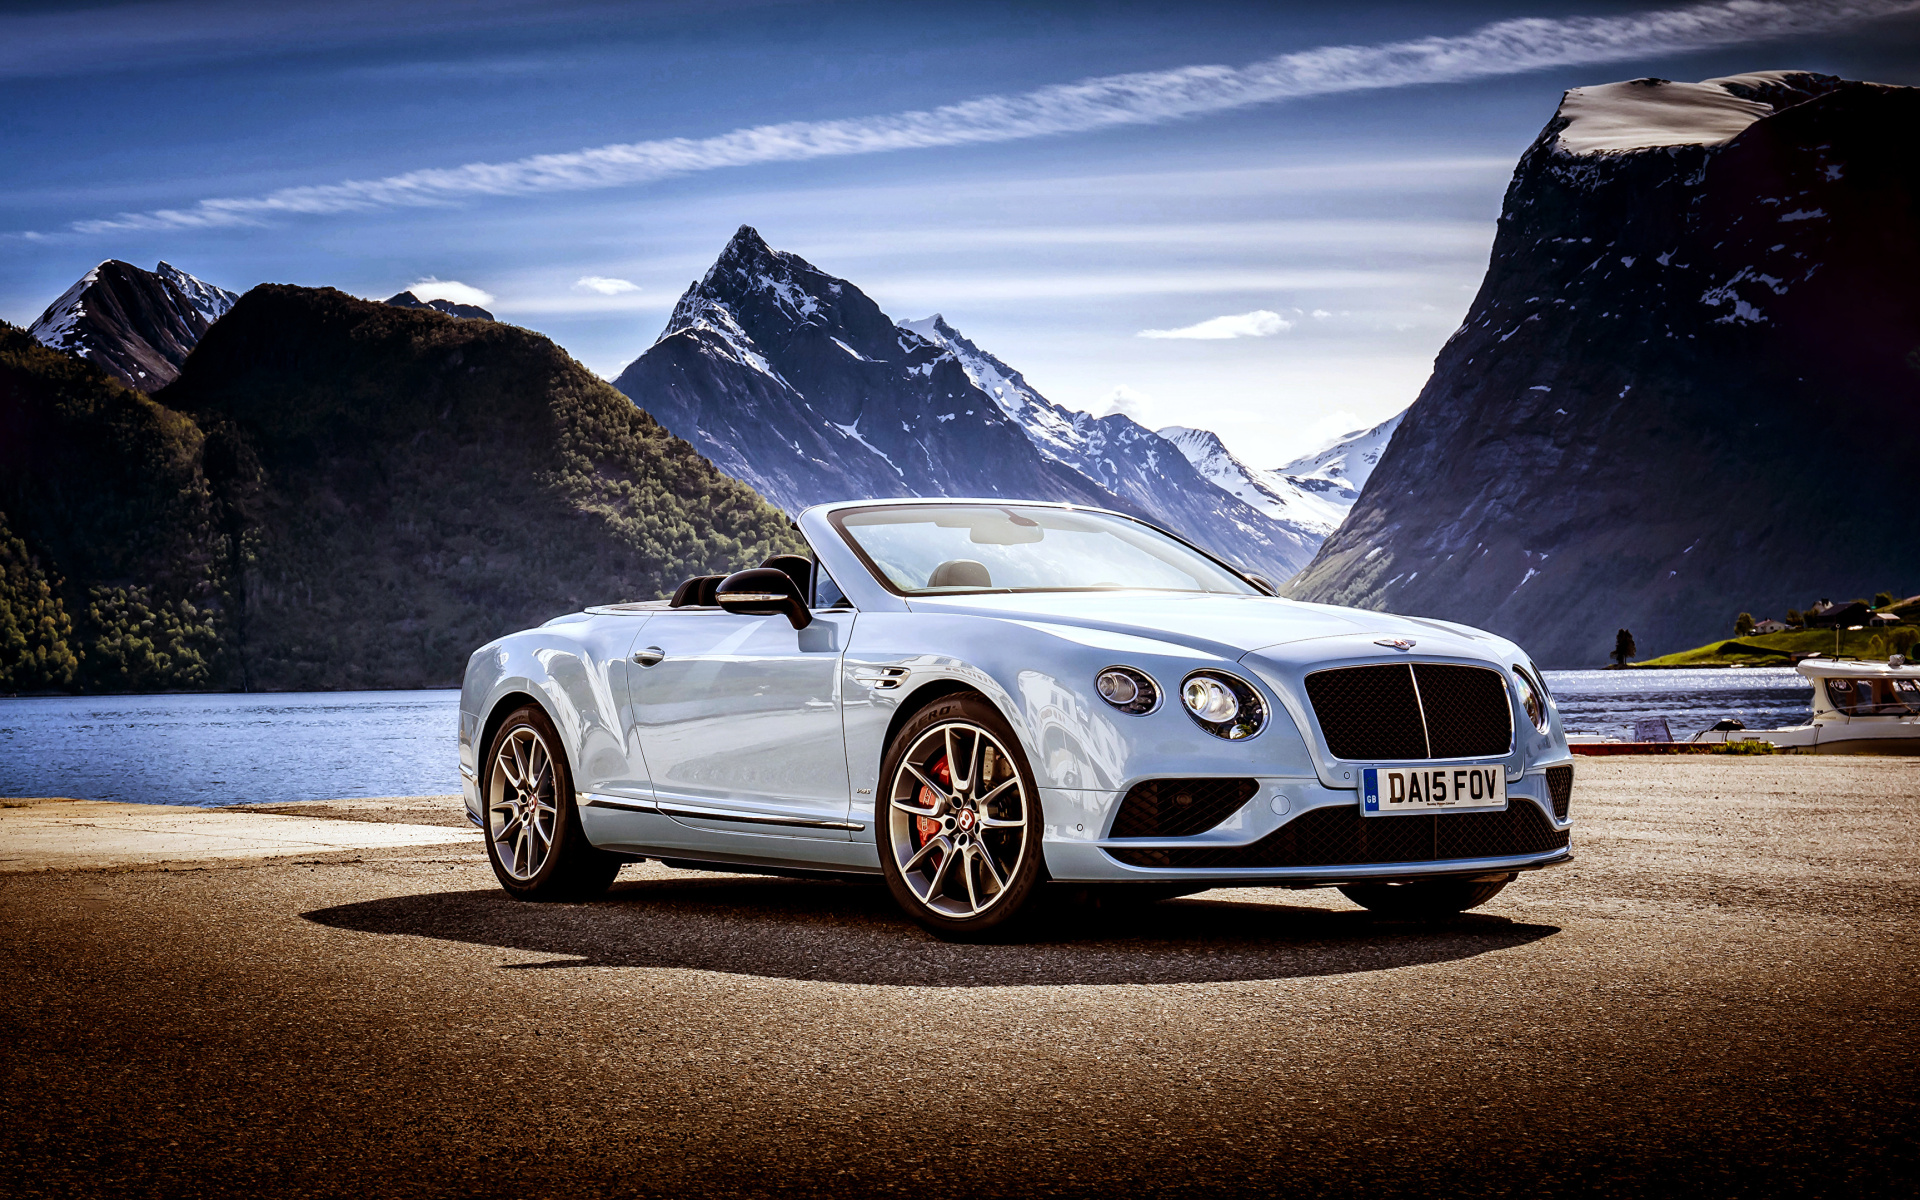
point(1256, 324)
point(1127, 402)
point(449, 289)
point(1143, 98)
point(604, 285)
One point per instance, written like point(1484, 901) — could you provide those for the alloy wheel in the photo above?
point(959, 820)
point(522, 813)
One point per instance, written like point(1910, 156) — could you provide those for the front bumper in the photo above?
point(1329, 845)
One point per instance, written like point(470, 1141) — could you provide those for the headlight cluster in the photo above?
point(1533, 697)
point(1128, 690)
point(1224, 705)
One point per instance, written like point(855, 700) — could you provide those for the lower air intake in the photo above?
point(1560, 788)
point(1168, 808)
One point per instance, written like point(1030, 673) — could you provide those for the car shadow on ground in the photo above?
point(848, 933)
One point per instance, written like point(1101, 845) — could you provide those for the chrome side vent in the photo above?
point(880, 679)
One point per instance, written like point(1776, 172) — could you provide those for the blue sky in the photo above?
point(1336, 205)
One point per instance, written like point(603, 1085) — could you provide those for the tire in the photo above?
point(533, 835)
point(1424, 899)
point(986, 821)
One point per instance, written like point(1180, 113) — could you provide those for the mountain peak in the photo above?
point(134, 324)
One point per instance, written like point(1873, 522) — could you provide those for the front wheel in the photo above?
point(1423, 898)
point(959, 820)
point(534, 839)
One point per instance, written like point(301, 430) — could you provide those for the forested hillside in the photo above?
point(337, 494)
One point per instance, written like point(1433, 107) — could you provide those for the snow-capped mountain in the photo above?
point(1311, 493)
point(134, 324)
point(1339, 471)
point(795, 382)
point(1129, 460)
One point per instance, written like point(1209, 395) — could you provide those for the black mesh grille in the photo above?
point(1368, 712)
point(1372, 714)
point(1467, 711)
point(1180, 807)
point(1560, 787)
point(1338, 836)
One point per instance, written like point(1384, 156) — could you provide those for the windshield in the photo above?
point(948, 548)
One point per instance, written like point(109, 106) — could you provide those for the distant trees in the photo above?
point(1623, 647)
point(1794, 617)
point(1883, 599)
point(1743, 625)
point(36, 635)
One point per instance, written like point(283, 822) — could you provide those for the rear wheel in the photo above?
point(959, 820)
point(1423, 897)
point(534, 840)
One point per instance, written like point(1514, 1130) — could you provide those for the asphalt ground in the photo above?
point(1717, 998)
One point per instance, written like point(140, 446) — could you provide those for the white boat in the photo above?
point(1858, 708)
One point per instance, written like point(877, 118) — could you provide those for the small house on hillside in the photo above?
point(1769, 625)
point(1883, 618)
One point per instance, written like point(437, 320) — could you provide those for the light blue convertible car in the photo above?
point(973, 697)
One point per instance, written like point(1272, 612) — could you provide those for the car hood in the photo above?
point(1225, 625)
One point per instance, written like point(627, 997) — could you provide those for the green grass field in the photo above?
point(1778, 649)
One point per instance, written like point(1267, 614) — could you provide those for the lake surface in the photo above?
point(1691, 700)
point(231, 749)
point(271, 749)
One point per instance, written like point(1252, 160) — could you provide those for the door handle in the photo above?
point(649, 656)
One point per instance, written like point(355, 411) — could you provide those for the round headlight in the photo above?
point(1209, 699)
point(1532, 699)
point(1128, 690)
point(1223, 705)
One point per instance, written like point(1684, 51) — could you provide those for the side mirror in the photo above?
point(764, 592)
point(1263, 583)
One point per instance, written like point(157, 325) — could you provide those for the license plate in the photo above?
point(1386, 790)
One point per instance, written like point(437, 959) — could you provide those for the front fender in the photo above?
point(1041, 677)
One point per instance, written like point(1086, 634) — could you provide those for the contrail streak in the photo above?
point(1144, 98)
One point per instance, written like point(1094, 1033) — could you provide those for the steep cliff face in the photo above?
point(1689, 384)
point(795, 382)
point(138, 326)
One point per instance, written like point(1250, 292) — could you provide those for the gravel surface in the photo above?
point(1716, 997)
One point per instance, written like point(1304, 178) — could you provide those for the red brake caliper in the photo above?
point(927, 826)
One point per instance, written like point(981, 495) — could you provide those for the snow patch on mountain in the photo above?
point(57, 325)
point(209, 301)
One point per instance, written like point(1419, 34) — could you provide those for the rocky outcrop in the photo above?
point(466, 312)
point(138, 326)
point(1689, 384)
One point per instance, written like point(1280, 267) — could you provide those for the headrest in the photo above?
point(960, 572)
point(798, 567)
point(697, 592)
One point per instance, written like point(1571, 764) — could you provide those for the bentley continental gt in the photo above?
point(971, 698)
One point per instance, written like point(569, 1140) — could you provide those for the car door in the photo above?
point(738, 718)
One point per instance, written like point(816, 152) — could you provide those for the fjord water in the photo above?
point(283, 747)
point(229, 748)
point(1608, 702)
